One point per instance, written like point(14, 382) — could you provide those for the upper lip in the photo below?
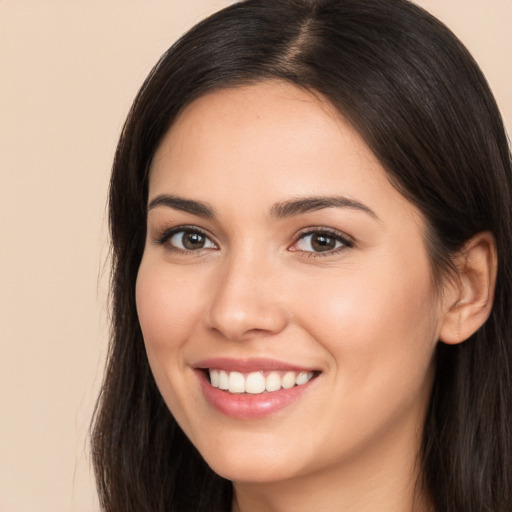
point(248, 365)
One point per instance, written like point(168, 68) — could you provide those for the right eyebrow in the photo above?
point(185, 205)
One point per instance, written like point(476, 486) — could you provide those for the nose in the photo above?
point(246, 301)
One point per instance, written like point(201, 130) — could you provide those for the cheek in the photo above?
point(378, 322)
point(379, 332)
point(167, 312)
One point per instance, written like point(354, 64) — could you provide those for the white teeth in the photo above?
point(288, 381)
point(214, 377)
point(302, 378)
point(273, 382)
point(236, 382)
point(255, 382)
point(223, 380)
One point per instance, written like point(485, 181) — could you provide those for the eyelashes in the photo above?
point(321, 241)
point(314, 241)
point(186, 239)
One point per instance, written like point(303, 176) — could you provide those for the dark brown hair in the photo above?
point(422, 105)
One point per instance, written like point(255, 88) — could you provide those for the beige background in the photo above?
point(68, 72)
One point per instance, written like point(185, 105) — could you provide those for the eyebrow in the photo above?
point(279, 210)
point(311, 204)
point(185, 205)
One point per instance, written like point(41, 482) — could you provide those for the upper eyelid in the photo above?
point(324, 229)
point(347, 242)
point(163, 235)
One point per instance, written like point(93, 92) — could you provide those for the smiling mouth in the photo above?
point(255, 383)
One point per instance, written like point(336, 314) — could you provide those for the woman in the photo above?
point(308, 205)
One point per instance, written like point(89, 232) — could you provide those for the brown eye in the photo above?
point(320, 241)
point(189, 240)
point(193, 241)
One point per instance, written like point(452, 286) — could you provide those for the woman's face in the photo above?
point(278, 255)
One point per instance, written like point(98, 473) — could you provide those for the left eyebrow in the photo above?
point(310, 204)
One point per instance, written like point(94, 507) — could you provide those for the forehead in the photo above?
point(257, 144)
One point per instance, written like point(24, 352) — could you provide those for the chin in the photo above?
point(257, 460)
point(254, 471)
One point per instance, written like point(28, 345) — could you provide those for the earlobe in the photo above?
point(470, 301)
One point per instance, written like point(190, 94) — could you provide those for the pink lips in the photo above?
point(247, 406)
point(248, 365)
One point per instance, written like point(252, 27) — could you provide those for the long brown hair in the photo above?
point(422, 105)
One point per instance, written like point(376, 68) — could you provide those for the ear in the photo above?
point(470, 298)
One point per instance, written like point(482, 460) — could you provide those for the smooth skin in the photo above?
point(345, 289)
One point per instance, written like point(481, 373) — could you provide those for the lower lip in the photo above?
point(248, 406)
